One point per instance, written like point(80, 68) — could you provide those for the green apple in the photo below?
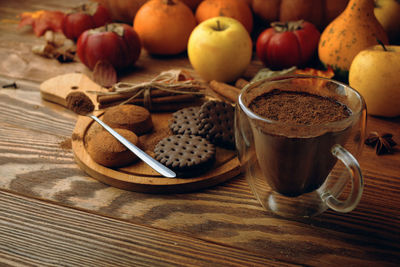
point(375, 72)
point(220, 48)
point(388, 14)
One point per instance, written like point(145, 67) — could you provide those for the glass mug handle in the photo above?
point(356, 178)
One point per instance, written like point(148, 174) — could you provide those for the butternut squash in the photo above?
point(355, 29)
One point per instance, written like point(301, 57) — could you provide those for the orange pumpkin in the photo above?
point(192, 3)
point(237, 9)
point(125, 10)
point(122, 10)
point(164, 26)
point(318, 12)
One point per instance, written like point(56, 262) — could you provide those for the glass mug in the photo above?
point(298, 171)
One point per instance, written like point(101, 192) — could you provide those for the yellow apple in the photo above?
point(220, 48)
point(388, 14)
point(375, 74)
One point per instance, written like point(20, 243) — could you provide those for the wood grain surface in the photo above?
point(53, 214)
point(34, 161)
point(36, 233)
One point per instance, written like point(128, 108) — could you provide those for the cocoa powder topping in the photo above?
point(298, 108)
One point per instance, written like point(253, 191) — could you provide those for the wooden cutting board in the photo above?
point(139, 176)
point(57, 88)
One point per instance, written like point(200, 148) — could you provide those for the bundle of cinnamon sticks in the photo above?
point(158, 100)
point(168, 91)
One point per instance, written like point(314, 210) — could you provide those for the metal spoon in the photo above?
point(81, 104)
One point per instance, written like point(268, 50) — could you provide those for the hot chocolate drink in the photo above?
point(293, 151)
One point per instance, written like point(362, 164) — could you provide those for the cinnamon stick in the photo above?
point(170, 99)
point(240, 83)
point(155, 101)
point(225, 90)
point(103, 99)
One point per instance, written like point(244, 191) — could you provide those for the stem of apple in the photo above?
point(218, 25)
point(382, 44)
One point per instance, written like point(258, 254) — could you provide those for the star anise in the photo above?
point(383, 143)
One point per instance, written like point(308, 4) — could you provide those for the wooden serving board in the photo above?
point(139, 176)
point(57, 88)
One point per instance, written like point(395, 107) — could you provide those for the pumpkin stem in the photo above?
point(169, 2)
point(382, 44)
point(111, 27)
point(280, 26)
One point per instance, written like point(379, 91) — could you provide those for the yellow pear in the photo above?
point(355, 29)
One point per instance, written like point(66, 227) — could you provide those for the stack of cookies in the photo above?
point(130, 121)
point(196, 133)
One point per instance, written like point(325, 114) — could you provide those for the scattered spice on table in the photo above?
point(383, 143)
point(10, 85)
point(66, 144)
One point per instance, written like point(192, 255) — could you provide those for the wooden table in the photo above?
point(53, 214)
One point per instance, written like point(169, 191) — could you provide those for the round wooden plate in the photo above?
point(140, 177)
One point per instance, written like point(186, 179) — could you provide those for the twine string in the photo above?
point(168, 81)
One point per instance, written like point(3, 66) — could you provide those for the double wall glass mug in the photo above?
point(300, 170)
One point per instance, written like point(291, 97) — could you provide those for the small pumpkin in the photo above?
point(192, 4)
point(122, 10)
point(164, 26)
point(288, 44)
point(355, 29)
point(237, 9)
point(318, 12)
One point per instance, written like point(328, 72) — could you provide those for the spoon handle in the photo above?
point(157, 166)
